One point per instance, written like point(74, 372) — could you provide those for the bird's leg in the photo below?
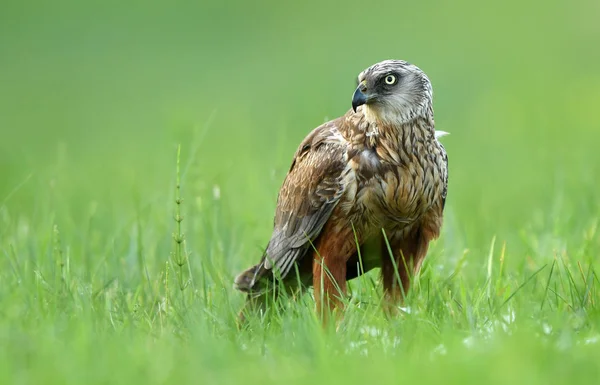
point(396, 280)
point(329, 271)
point(329, 279)
point(408, 248)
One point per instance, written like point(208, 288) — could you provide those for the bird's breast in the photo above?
point(384, 191)
point(366, 164)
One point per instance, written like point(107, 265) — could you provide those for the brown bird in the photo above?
point(375, 177)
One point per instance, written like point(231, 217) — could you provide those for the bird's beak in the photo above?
point(359, 98)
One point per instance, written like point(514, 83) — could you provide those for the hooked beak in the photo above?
point(359, 98)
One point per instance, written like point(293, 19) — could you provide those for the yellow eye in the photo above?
point(390, 79)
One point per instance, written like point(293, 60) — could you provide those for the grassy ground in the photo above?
point(95, 100)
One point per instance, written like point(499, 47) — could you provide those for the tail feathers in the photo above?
point(247, 279)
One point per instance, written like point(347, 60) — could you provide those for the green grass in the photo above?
point(117, 259)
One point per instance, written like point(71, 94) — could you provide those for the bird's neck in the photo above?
point(364, 131)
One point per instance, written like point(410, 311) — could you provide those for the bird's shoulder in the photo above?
point(316, 173)
point(327, 134)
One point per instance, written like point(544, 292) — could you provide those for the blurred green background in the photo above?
point(95, 97)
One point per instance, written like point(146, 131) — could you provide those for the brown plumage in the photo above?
point(378, 169)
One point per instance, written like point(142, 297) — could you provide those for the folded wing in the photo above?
point(310, 192)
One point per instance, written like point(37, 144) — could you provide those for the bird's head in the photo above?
point(393, 91)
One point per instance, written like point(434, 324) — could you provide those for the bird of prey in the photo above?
point(374, 178)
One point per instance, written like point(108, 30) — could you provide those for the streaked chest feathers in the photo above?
point(393, 184)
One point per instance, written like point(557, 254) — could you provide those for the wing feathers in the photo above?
point(309, 194)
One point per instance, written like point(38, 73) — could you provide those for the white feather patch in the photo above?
point(439, 134)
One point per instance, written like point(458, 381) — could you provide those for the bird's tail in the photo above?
point(248, 282)
point(247, 279)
